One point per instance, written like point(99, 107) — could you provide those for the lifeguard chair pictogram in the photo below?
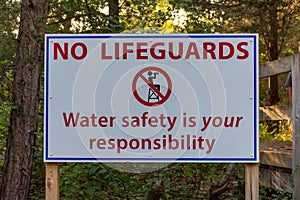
point(152, 95)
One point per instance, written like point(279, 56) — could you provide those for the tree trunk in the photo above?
point(273, 53)
point(114, 14)
point(113, 9)
point(24, 114)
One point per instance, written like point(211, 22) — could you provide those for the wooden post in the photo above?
point(296, 124)
point(252, 181)
point(52, 181)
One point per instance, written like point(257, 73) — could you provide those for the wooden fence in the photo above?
point(281, 169)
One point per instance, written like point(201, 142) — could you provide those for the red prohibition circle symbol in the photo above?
point(162, 97)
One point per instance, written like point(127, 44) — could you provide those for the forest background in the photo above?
point(22, 27)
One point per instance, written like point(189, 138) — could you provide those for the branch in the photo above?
point(223, 185)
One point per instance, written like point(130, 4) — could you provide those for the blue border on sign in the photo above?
point(47, 158)
point(46, 94)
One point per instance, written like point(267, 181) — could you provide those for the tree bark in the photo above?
point(113, 10)
point(114, 14)
point(273, 53)
point(24, 114)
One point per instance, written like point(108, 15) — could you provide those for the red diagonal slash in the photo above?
point(152, 86)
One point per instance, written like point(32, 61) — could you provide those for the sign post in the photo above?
point(296, 124)
point(151, 98)
point(52, 181)
point(252, 181)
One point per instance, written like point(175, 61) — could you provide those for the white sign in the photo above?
point(151, 98)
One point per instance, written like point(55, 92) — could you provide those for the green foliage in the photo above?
point(281, 131)
point(264, 134)
point(4, 122)
point(92, 181)
point(273, 20)
point(94, 16)
point(182, 181)
point(77, 16)
point(269, 193)
point(8, 26)
point(148, 16)
point(9, 13)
